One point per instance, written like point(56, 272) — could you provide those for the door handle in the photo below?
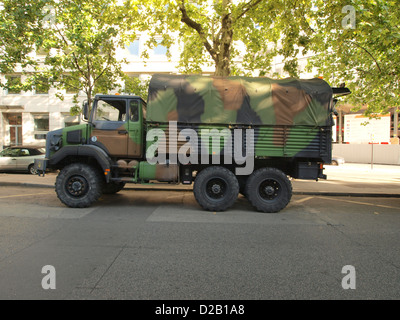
point(122, 132)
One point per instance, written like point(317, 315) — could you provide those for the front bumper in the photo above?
point(41, 166)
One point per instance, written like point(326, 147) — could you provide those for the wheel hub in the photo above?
point(269, 190)
point(76, 186)
point(216, 188)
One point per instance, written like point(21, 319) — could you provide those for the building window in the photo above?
point(14, 84)
point(159, 49)
point(70, 121)
point(41, 122)
point(41, 136)
point(133, 48)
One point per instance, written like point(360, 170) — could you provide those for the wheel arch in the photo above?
point(87, 154)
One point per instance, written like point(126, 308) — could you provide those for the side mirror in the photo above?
point(85, 111)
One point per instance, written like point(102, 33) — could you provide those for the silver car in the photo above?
point(20, 158)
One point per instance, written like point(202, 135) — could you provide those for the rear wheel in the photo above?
point(269, 190)
point(216, 188)
point(31, 169)
point(79, 185)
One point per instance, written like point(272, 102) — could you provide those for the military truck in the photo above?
point(224, 135)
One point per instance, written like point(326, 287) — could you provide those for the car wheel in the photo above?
point(216, 188)
point(269, 190)
point(32, 170)
point(79, 185)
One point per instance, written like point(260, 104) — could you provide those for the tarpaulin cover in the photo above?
point(238, 100)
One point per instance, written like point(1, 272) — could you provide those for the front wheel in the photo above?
point(216, 188)
point(79, 185)
point(269, 190)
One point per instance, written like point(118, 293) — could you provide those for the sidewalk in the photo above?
point(345, 180)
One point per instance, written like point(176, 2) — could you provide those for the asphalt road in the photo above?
point(161, 245)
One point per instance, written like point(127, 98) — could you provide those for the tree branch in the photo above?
point(369, 53)
point(246, 8)
point(104, 70)
point(75, 58)
point(196, 26)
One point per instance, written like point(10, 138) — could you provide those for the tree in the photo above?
point(358, 43)
point(210, 31)
point(80, 40)
point(19, 30)
point(134, 86)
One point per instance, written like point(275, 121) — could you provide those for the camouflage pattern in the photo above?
point(239, 100)
point(290, 117)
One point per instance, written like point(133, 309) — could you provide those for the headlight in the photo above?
point(56, 142)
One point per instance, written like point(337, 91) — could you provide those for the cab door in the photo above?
point(110, 127)
point(135, 125)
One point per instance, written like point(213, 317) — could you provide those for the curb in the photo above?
point(311, 193)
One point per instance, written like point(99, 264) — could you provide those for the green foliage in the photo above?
point(209, 32)
point(367, 57)
point(79, 39)
point(134, 86)
point(20, 27)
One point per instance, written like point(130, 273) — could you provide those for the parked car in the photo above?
point(20, 158)
point(336, 161)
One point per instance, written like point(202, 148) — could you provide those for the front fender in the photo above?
point(91, 151)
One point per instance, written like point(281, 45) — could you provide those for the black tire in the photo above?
point(216, 188)
point(31, 169)
point(79, 185)
point(113, 187)
point(269, 190)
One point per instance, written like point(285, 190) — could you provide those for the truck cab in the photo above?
point(116, 125)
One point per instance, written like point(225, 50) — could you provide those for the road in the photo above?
point(161, 245)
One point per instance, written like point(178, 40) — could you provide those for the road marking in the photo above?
point(21, 210)
point(303, 200)
point(172, 197)
point(25, 195)
point(362, 203)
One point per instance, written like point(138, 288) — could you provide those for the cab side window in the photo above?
point(134, 110)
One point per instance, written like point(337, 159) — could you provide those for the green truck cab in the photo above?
point(227, 135)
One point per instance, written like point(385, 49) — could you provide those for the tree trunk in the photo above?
point(222, 67)
point(224, 44)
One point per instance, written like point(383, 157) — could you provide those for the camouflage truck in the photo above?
point(226, 135)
